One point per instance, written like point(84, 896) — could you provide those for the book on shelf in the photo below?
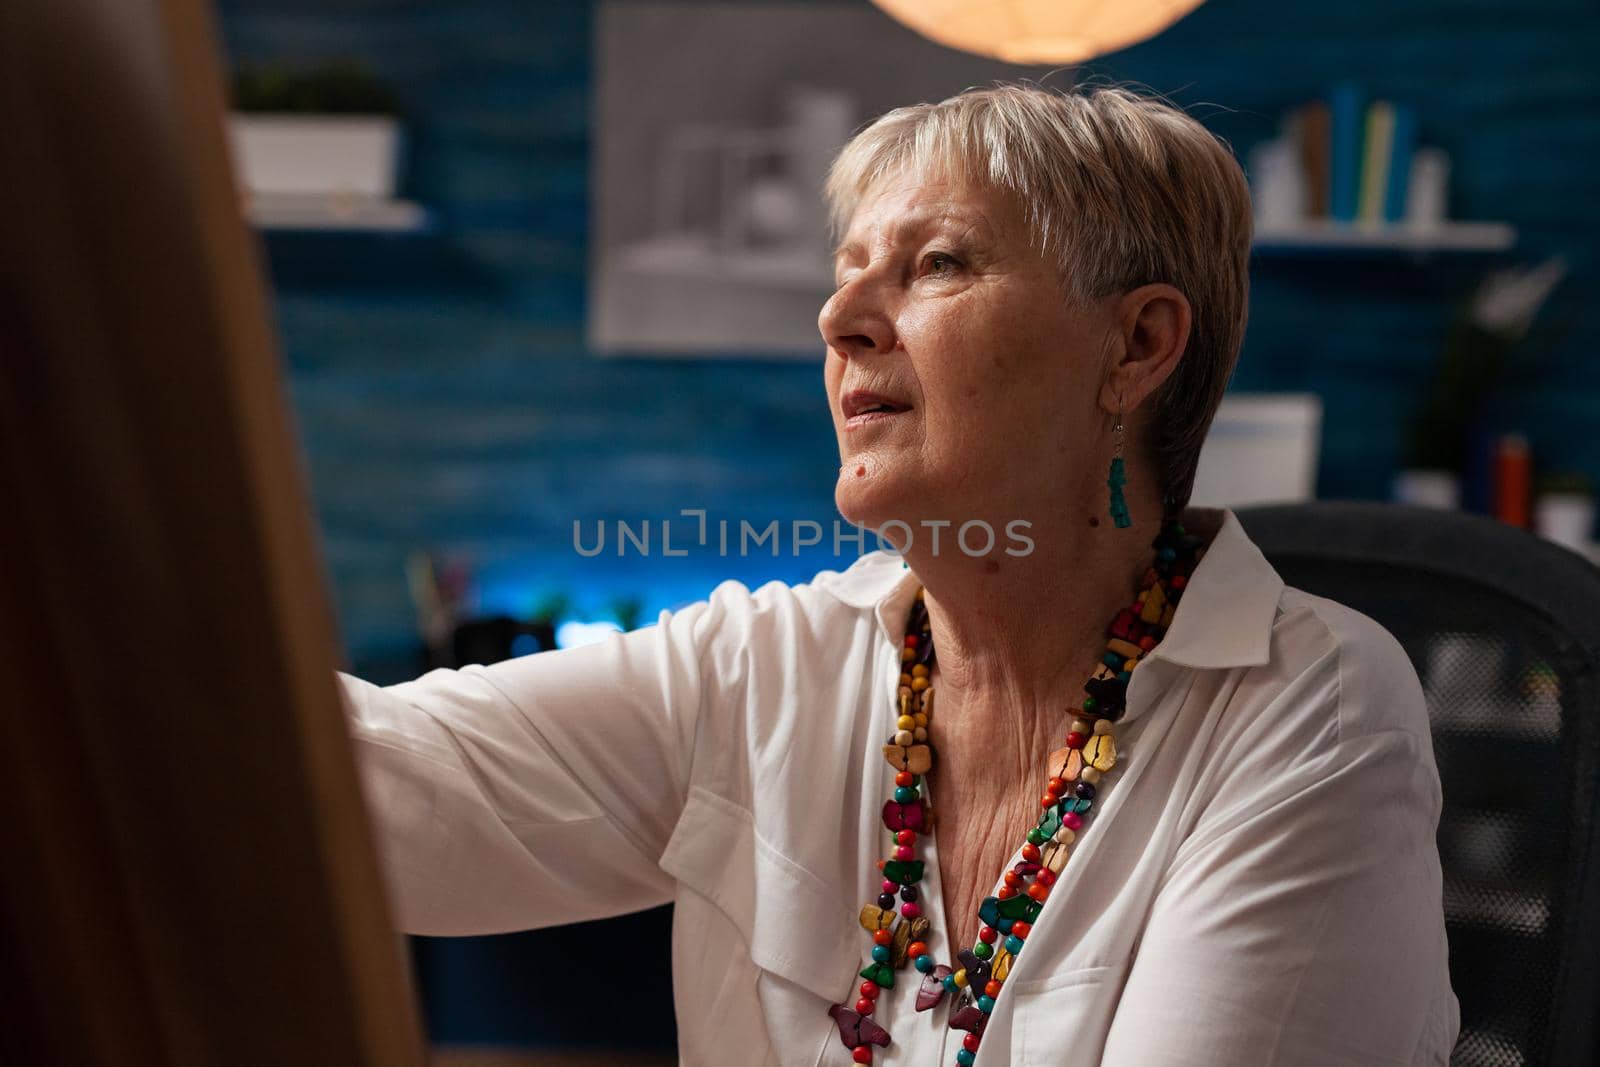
point(1309, 129)
point(1346, 108)
point(1356, 156)
point(1376, 146)
point(1402, 151)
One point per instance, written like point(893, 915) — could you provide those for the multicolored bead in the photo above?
point(903, 872)
point(1101, 752)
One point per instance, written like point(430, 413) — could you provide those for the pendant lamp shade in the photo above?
point(1038, 31)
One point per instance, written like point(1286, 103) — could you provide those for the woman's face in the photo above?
point(961, 384)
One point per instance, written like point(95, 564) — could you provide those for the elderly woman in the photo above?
point(1164, 809)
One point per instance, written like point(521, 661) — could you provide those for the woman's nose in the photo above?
point(853, 321)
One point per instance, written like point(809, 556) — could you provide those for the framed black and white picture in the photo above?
point(715, 124)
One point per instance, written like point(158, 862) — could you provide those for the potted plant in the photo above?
point(330, 131)
point(1487, 335)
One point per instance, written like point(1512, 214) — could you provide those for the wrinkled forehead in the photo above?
point(905, 202)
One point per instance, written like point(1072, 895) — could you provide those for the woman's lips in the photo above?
point(855, 422)
point(862, 407)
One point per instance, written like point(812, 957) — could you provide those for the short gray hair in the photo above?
point(1121, 189)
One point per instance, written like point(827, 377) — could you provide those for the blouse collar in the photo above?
point(1234, 581)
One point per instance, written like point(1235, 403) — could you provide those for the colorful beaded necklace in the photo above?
point(978, 973)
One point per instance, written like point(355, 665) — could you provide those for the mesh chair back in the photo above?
point(1504, 631)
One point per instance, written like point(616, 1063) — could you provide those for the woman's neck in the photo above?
point(1022, 632)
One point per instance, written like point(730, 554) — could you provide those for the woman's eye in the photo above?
point(940, 263)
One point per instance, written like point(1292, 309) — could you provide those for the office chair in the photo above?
point(1504, 631)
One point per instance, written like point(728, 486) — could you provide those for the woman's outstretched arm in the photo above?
point(537, 791)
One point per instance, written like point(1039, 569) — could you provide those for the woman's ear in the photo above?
point(1152, 322)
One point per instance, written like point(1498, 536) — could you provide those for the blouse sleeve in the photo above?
point(1301, 923)
point(537, 791)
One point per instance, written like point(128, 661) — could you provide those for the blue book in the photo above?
point(1347, 137)
point(1405, 142)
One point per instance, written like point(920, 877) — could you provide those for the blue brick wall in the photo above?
point(457, 407)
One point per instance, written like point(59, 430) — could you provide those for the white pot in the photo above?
point(1565, 518)
point(1427, 488)
point(316, 155)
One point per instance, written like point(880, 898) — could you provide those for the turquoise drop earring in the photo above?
point(1117, 479)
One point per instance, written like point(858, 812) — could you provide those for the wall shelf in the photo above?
point(334, 214)
point(325, 243)
point(1319, 235)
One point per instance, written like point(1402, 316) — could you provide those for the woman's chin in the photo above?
point(868, 500)
point(849, 500)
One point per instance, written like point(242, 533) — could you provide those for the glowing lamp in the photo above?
point(1038, 31)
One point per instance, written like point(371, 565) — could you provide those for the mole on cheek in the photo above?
point(861, 472)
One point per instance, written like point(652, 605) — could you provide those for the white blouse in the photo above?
point(1259, 882)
